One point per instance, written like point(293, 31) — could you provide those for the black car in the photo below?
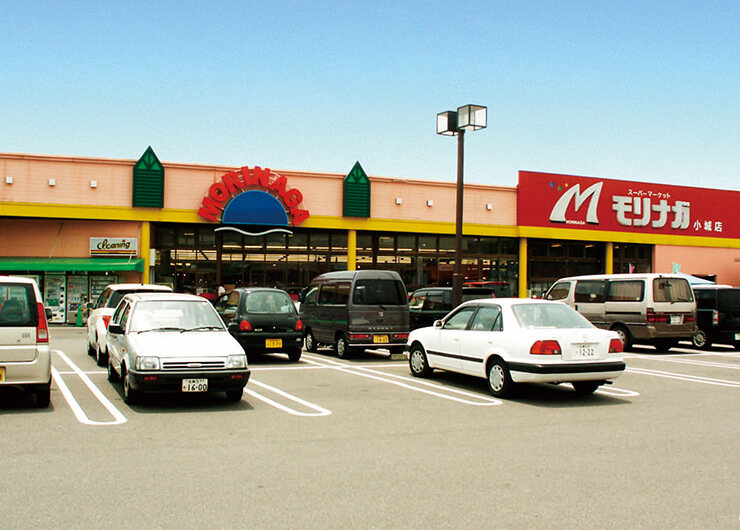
point(717, 315)
point(263, 320)
point(433, 303)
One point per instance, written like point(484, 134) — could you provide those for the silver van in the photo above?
point(657, 309)
point(356, 310)
point(25, 358)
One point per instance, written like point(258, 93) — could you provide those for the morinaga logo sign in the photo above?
point(548, 200)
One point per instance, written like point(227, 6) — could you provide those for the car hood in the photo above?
point(187, 344)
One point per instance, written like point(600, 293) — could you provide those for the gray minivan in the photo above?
point(356, 310)
point(649, 308)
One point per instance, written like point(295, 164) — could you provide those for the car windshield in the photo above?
point(270, 303)
point(558, 316)
point(173, 315)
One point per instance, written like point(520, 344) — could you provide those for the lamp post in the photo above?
point(451, 123)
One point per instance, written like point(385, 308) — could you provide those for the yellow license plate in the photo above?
point(273, 343)
point(2, 374)
point(380, 339)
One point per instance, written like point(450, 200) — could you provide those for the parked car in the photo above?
point(509, 341)
point(25, 358)
point(263, 320)
point(501, 289)
point(356, 310)
point(657, 309)
point(171, 342)
point(432, 303)
point(718, 315)
point(102, 310)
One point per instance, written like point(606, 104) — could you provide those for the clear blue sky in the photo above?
point(633, 90)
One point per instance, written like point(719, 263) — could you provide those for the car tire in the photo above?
point(112, 374)
point(294, 355)
point(43, 395)
point(100, 358)
point(418, 362)
point(499, 379)
point(585, 388)
point(234, 396)
point(342, 348)
point(701, 341)
point(311, 344)
point(90, 350)
point(624, 336)
point(130, 396)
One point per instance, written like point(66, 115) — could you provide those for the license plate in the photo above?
point(380, 339)
point(273, 343)
point(584, 351)
point(2, 374)
point(676, 319)
point(195, 385)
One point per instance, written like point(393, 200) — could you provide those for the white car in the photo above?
point(169, 342)
point(102, 310)
point(511, 340)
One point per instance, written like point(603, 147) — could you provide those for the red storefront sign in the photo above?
point(234, 183)
point(566, 201)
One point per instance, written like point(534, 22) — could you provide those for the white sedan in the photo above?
point(511, 340)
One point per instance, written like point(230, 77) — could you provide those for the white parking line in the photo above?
point(616, 392)
point(74, 405)
point(684, 360)
point(320, 411)
point(388, 378)
point(683, 377)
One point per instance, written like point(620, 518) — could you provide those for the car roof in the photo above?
point(164, 297)
point(16, 279)
point(509, 302)
point(134, 286)
point(363, 273)
point(259, 289)
point(623, 276)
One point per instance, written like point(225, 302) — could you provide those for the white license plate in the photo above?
point(676, 319)
point(195, 385)
point(584, 351)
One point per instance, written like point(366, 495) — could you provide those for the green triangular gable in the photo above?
point(148, 188)
point(357, 193)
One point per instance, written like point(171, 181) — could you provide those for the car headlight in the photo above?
point(147, 363)
point(236, 361)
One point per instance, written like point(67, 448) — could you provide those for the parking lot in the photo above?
point(360, 443)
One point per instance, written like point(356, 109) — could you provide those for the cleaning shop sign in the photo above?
point(113, 246)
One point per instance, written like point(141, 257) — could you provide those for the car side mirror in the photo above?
point(115, 329)
point(437, 323)
point(90, 305)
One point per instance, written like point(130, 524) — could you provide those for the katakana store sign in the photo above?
point(565, 201)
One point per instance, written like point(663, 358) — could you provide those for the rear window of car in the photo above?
point(16, 305)
point(269, 303)
point(556, 316)
point(378, 292)
point(672, 290)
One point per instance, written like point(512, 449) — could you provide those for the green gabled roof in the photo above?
point(357, 193)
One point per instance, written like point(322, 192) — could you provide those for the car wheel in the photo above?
point(624, 336)
point(130, 396)
point(418, 362)
point(584, 388)
point(701, 340)
point(43, 395)
point(311, 344)
point(234, 396)
point(499, 379)
point(90, 349)
point(100, 357)
point(294, 355)
point(112, 374)
point(342, 349)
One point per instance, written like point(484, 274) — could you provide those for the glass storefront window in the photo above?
point(386, 243)
point(427, 243)
point(185, 237)
point(406, 244)
point(206, 238)
point(488, 246)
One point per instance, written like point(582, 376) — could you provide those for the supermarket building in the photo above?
point(77, 224)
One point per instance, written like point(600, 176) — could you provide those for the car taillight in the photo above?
point(616, 346)
point(244, 325)
point(715, 317)
point(652, 316)
point(106, 320)
point(545, 347)
point(299, 325)
point(689, 318)
point(359, 336)
point(42, 329)
point(401, 336)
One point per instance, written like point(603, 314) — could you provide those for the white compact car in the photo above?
point(102, 310)
point(25, 358)
point(169, 342)
point(510, 340)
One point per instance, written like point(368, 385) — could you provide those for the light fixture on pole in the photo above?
point(451, 123)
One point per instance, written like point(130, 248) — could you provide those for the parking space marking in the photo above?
point(320, 411)
point(72, 402)
point(616, 392)
point(684, 360)
point(683, 377)
point(389, 378)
